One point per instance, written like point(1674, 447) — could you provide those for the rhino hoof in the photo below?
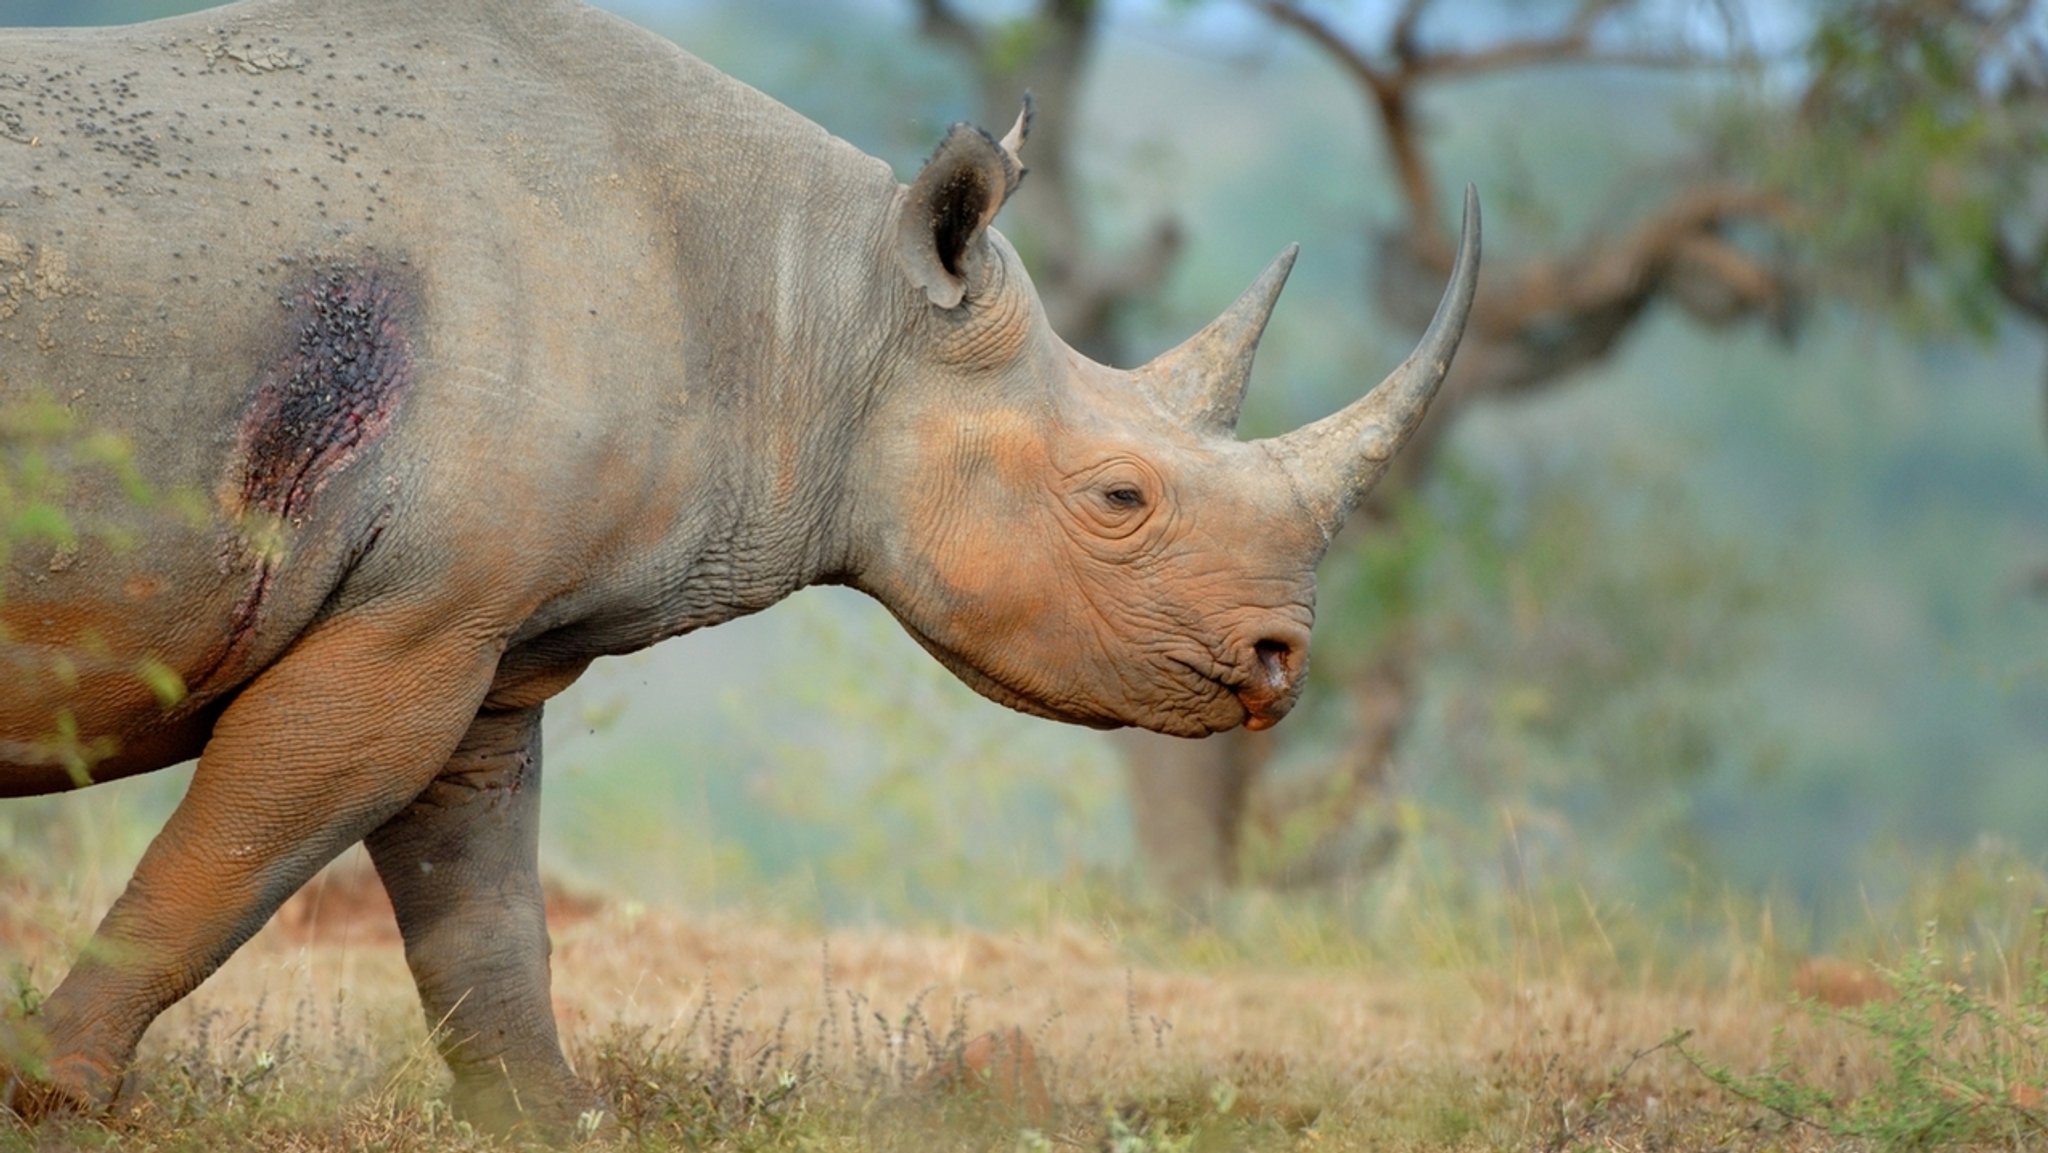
point(75, 1088)
point(492, 1105)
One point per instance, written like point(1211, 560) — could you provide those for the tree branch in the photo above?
point(938, 20)
point(1717, 283)
point(1388, 96)
point(1573, 48)
point(1389, 89)
point(1092, 289)
point(1319, 32)
point(1547, 292)
point(1406, 47)
point(2023, 282)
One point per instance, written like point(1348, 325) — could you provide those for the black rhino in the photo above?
point(499, 336)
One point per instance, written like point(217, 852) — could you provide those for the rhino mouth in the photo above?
point(1208, 692)
point(1261, 711)
point(1001, 693)
point(1260, 700)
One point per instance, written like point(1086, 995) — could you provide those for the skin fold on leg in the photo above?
point(461, 863)
point(322, 748)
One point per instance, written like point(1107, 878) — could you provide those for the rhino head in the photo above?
point(1091, 544)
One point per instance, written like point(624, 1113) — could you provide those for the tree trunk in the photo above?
point(1191, 801)
point(1188, 803)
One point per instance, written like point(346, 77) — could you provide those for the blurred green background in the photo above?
point(1726, 614)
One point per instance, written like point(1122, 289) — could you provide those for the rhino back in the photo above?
point(375, 282)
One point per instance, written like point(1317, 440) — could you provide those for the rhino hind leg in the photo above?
point(461, 864)
point(304, 763)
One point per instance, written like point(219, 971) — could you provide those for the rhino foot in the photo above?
point(555, 1111)
point(33, 1091)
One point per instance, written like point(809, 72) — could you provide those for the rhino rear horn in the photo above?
point(943, 217)
point(1202, 381)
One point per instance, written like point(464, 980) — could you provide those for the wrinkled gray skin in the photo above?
point(491, 337)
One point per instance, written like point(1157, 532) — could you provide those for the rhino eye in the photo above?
point(1115, 498)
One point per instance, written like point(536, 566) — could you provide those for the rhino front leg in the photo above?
point(461, 863)
point(321, 748)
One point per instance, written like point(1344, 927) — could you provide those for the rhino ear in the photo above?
point(943, 217)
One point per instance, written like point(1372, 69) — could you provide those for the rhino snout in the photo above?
point(1273, 676)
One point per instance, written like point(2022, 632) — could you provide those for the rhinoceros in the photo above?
point(491, 337)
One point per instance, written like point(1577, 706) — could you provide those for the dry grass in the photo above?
point(729, 1033)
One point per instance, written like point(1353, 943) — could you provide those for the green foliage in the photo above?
point(1959, 1066)
point(694, 1087)
point(1012, 44)
point(933, 814)
point(21, 1047)
point(73, 750)
point(1915, 153)
point(47, 460)
point(162, 679)
point(1380, 585)
point(1593, 657)
point(43, 453)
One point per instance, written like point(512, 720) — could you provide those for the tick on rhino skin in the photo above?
point(331, 394)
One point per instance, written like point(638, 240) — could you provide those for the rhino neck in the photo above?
point(780, 234)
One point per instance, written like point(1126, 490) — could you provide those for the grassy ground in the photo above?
point(724, 1033)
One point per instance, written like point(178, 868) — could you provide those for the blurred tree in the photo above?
point(1538, 321)
point(1906, 165)
point(1918, 153)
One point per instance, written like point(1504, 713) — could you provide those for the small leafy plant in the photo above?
point(1960, 1067)
point(45, 451)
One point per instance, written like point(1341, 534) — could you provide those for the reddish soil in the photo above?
point(1004, 1066)
point(1842, 984)
point(346, 902)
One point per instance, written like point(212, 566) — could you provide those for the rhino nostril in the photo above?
point(1269, 695)
point(1276, 660)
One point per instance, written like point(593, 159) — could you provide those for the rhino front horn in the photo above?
point(1338, 459)
point(1203, 380)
